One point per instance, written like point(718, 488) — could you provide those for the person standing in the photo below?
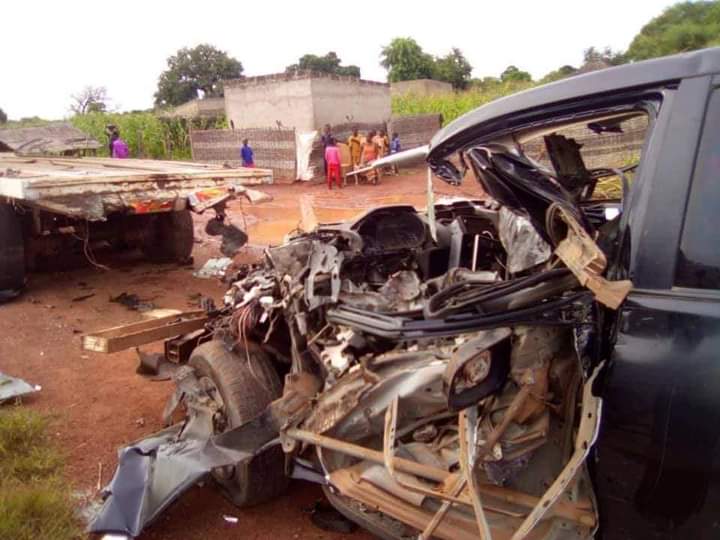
point(112, 134)
point(380, 141)
point(369, 154)
point(395, 147)
point(247, 155)
point(333, 160)
point(118, 147)
point(355, 144)
point(325, 139)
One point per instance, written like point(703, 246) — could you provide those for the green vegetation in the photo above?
point(147, 134)
point(686, 26)
point(35, 501)
point(452, 105)
point(405, 60)
point(330, 63)
point(202, 68)
point(3, 117)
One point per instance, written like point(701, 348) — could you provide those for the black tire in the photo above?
point(246, 388)
point(12, 253)
point(170, 237)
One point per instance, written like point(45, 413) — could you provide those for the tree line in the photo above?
point(200, 71)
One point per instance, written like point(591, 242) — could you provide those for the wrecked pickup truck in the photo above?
point(541, 364)
point(56, 206)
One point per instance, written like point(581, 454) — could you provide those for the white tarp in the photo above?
point(303, 149)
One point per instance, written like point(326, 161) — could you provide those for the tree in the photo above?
point(3, 117)
point(202, 68)
point(593, 58)
point(560, 73)
point(406, 61)
point(686, 26)
point(330, 63)
point(513, 73)
point(453, 68)
point(89, 99)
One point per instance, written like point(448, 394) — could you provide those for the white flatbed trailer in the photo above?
point(48, 202)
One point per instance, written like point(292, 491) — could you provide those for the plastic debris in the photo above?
point(213, 268)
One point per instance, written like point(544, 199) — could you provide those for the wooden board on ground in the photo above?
point(120, 338)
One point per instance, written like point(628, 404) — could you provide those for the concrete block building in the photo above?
point(304, 101)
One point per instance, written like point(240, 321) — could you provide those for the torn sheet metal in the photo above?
point(525, 248)
point(12, 387)
point(325, 261)
point(586, 260)
point(154, 472)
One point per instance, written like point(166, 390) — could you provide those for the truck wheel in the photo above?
point(247, 383)
point(12, 253)
point(170, 237)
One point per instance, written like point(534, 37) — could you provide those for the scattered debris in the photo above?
point(12, 387)
point(213, 268)
point(154, 366)
point(133, 302)
point(83, 297)
point(232, 238)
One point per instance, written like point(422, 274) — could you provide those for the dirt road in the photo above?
point(98, 403)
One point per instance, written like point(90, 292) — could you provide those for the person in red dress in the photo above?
point(332, 158)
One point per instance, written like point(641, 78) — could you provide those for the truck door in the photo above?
point(657, 462)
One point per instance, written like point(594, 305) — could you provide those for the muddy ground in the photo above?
point(98, 403)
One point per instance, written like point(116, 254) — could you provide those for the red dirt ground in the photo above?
point(98, 403)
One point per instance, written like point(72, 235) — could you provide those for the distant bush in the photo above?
point(452, 105)
point(147, 134)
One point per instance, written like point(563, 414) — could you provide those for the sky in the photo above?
point(52, 49)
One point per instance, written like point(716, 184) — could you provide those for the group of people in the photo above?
point(363, 151)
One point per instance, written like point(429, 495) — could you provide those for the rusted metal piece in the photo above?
point(405, 465)
point(455, 526)
point(577, 513)
point(586, 260)
point(467, 426)
point(586, 437)
point(389, 457)
point(455, 490)
point(516, 405)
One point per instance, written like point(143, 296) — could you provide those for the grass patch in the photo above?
point(35, 501)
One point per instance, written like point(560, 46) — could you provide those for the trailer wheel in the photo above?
point(169, 237)
point(12, 253)
point(247, 383)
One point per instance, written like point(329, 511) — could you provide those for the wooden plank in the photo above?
point(132, 335)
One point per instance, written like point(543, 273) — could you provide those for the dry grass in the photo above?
point(34, 499)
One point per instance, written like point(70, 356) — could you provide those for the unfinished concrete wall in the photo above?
point(305, 101)
point(415, 130)
point(339, 100)
point(420, 87)
point(274, 148)
point(261, 102)
point(199, 108)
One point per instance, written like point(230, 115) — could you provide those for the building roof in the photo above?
point(647, 74)
point(51, 139)
point(295, 76)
